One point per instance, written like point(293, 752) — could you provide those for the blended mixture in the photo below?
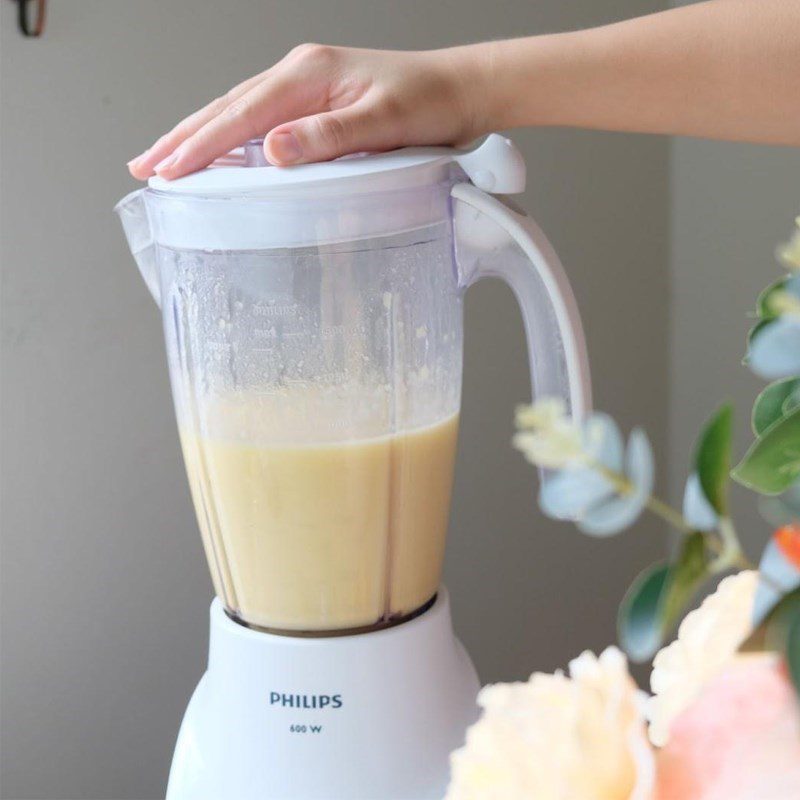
point(307, 530)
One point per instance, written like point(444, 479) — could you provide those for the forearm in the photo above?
point(726, 69)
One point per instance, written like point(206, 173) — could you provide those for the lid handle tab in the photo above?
point(495, 166)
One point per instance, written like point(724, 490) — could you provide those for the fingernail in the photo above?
point(285, 148)
point(166, 163)
point(139, 157)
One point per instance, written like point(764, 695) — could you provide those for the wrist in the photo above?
point(504, 84)
point(471, 71)
point(528, 89)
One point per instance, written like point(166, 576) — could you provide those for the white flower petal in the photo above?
point(581, 736)
point(707, 640)
point(552, 448)
point(541, 414)
point(789, 253)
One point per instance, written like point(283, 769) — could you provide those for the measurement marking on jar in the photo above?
point(305, 729)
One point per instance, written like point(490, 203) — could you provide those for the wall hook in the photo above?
point(31, 23)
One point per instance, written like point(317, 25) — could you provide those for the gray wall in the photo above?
point(104, 588)
point(731, 204)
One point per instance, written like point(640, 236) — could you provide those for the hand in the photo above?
point(321, 102)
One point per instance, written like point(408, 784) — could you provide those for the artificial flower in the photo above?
point(557, 736)
point(707, 640)
point(542, 414)
point(608, 491)
point(738, 740)
point(548, 437)
point(789, 253)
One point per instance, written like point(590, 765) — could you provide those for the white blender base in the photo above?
point(371, 716)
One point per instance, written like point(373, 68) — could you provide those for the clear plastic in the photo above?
point(314, 342)
point(494, 239)
point(317, 393)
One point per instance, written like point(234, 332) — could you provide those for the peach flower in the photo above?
point(738, 740)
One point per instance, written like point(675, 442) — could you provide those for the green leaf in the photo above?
point(772, 463)
point(686, 575)
point(793, 652)
point(638, 627)
point(772, 633)
point(770, 404)
point(713, 458)
point(658, 597)
point(778, 624)
point(764, 303)
point(793, 400)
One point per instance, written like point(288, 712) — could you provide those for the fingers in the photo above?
point(331, 134)
point(278, 98)
point(142, 166)
point(295, 95)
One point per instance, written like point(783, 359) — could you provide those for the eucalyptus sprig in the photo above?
point(603, 484)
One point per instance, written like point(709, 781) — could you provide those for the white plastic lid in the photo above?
point(495, 166)
point(277, 217)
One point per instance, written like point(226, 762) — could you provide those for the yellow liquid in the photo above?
point(324, 536)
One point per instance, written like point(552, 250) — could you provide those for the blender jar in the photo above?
point(313, 325)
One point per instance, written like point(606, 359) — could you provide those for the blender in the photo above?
point(313, 325)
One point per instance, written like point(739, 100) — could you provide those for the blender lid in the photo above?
point(495, 166)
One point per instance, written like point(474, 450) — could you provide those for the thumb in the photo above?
point(324, 136)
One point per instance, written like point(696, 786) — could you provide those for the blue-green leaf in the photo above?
point(658, 597)
point(616, 513)
point(779, 575)
point(753, 332)
point(697, 511)
point(774, 352)
point(638, 625)
point(782, 509)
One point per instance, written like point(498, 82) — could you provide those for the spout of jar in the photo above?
point(132, 213)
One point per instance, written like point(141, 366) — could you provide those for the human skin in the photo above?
point(724, 69)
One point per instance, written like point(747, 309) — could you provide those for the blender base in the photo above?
point(371, 716)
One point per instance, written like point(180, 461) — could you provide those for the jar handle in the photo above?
point(494, 239)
